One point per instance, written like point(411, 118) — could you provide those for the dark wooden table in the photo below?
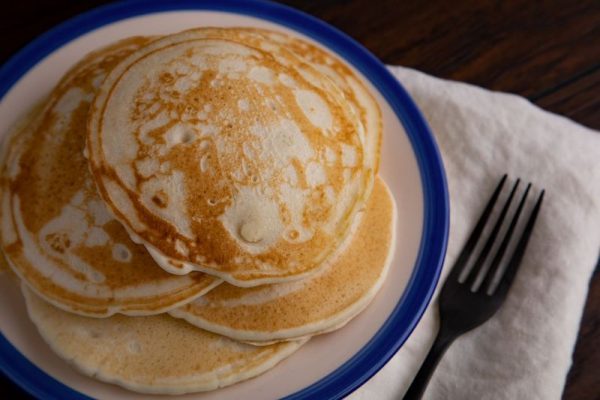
point(546, 51)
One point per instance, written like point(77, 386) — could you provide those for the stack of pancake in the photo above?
point(184, 212)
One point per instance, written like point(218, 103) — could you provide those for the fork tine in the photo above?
point(471, 278)
point(514, 262)
point(487, 282)
point(472, 241)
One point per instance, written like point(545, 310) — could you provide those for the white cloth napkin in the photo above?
point(524, 351)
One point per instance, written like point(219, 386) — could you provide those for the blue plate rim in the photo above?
point(419, 290)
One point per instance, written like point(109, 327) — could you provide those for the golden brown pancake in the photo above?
point(153, 354)
point(223, 153)
point(318, 304)
point(56, 232)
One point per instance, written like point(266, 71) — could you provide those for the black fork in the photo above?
point(464, 306)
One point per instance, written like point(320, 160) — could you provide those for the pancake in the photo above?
point(153, 354)
point(56, 232)
point(321, 303)
point(222, 153)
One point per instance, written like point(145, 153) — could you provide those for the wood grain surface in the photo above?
point(547, 51)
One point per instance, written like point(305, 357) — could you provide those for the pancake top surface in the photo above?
point(222, 152)
point(317, 304)
point(56, 231)
point(355, 92)
point(152, 354)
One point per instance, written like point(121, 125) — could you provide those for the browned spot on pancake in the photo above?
point(160, 199)
point(59, 242)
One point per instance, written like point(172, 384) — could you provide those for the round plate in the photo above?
point(411, 166)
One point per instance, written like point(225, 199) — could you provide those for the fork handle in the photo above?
point(418, 385)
